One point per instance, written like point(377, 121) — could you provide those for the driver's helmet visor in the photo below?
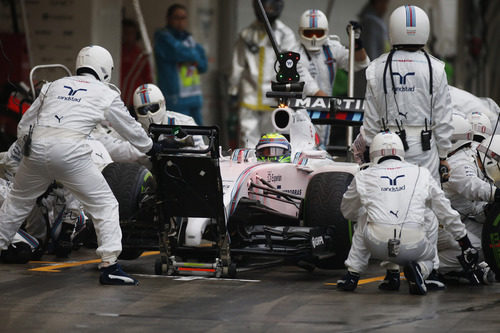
point(271, 152)
point(152, 108)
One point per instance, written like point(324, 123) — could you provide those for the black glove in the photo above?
point(155, 149)
point(356, 26)
point(444, 170)
point(182, 139)
point(470, 255)
point(497, 195)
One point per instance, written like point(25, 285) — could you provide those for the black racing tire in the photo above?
point(322, 208)
point(490, 239)
point(127, 181)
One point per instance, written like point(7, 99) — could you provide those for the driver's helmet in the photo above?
point(273, 147)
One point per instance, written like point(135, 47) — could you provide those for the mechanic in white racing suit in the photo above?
point(56, 126)
point(323, 54)
point(469, 191)
point(118, 148)
point(149, 106)
point(465, 103)
point(273, 147)
point(253, 69)
point(407, 92)
point(393, 195)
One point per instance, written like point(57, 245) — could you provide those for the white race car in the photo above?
point(235, 207)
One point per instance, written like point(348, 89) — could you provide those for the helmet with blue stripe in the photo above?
point(149, 104)
point(408, 25)
point(313, 29)
point(273, 147)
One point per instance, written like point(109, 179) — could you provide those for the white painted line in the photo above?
point(192, 278)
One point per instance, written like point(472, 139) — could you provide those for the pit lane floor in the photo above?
point(65, 296)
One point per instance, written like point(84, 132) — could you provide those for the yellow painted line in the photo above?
point(365, 281)
point(149, 253)
point(56, 267)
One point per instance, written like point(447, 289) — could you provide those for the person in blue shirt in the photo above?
point(180, 60)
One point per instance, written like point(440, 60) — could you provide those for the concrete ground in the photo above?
point(65, 296)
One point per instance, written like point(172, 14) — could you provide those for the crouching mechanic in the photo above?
point(56, 127)
point(393, 195)
point(470, 188)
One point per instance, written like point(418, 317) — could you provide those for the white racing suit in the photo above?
point(464, 103)
point(411, 104)
point(119, 149)
point(413, 107)
point(394, 195)
point(252, 72)
point(61, 118)
point(323, 65)
point(59, 199)
point(469, 192)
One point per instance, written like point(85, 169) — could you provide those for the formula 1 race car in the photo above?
point(215, 213)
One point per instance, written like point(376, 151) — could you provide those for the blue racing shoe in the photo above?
point(415, 279)
point(391, 281)
point(349, 282)
point(433, 282)
point(114, 275)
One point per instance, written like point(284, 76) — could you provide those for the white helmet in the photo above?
point(408, 25)
point(481, 125)
point(386, 144)
point(96, 60)
point(489, 152)
point(313, 29)
point(462, 132)
point(149, 104)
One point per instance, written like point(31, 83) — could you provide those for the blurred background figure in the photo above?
point(180, 60)
point(135, 67)
point(375, 36)
point(253, 70)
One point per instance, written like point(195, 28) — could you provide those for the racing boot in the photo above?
point(349, 282)
point(63, 245)
point(415, 279)
point(391, 280)
point(433, 282)
point(114, 275)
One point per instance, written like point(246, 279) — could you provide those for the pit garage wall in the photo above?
point(58, 29)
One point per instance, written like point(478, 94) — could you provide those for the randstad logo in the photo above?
point(71, 93)
point(393, 184)
point(402, 81)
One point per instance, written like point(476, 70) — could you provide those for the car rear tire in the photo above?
point(322, 208)
point(490, 239)
point(128, 181)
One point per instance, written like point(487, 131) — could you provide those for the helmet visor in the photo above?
point(309, 33)
point(271, 152)
point(143, 110)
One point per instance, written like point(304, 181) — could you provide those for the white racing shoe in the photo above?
point(114, 275)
